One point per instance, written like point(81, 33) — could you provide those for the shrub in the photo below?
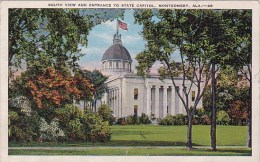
point(180, 119)
point(136, 119)
point(168, 120)
point(129, 119)
point(106, 114)
point(23, 128)
point(95, 128)
point(205, 120)
point(195, 121)
point(144, 119)
point(223, 118)
point(133, 120)
point(67, 113)
point(121, 121)
point(21, 103)
point(75, 130)
point(50, 132)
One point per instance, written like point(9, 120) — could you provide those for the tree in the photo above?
point(239, 112)
point(242, 62)
point(205, 40)
point(39, 38)
point(232, 38)
point(182, 31)
point(98, 80)
point(106, 114)
point(53, 88)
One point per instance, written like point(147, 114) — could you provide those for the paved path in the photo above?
point(113, 147)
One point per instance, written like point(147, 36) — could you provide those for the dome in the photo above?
point(117, 52)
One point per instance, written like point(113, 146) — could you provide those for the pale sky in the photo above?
point(101, 38)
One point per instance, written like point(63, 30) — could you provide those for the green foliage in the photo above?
point(223, 118)
point(69, 117)
point(144, 119)
point(75, 130)
point(67, 113)
point(168, 120)
point(23, 128)
point(129, 119)
point(23, 122)
point(46, 36)
point(180, 119)
point(51, 37)
point(135, 120)
point(106, 114)
point(97, 79)
point(232, 96)
point(95, 128)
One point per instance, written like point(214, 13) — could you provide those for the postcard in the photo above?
point(130, 81)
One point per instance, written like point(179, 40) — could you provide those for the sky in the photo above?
point(101, 38)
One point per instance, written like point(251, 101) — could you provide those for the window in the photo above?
point(193, 95)
point(135, 93)
point(110, 65)
point(135, 109)
point(123, 65)
point(117, 65)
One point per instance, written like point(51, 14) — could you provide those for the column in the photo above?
point(156, 98)
point(116, 102)
point(181, 106)
point(119, 103)
point(109, 101)
point(115, 105)
point(113, 101)
point(104, 98)
point(173, 110)
point(165, 101)
point(148, 100)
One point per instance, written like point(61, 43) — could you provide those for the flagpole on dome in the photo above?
point(117, 27)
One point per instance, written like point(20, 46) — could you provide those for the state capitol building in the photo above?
point(130, 94)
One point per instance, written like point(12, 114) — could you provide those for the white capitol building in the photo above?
point(130, 94)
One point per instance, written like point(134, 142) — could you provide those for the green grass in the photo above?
point(137, 152)
point(176, 135)
point(150, 136)
point(156, 135)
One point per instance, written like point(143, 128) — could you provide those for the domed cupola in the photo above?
point(116, 60)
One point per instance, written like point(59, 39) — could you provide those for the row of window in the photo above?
point(136, 94)
point(117, 65)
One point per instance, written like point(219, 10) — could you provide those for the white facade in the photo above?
point(130, 94)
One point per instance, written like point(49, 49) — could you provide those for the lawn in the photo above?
point(148, 137)
point(176, 135)
point(156, 135)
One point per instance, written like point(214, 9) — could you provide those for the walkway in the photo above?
point(114, 147)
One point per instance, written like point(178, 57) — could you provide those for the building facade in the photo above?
point(130, 94)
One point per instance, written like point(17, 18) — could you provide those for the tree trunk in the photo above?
point(213, 110)
point(189, 132)
point(249, 138)
point(95, 105)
